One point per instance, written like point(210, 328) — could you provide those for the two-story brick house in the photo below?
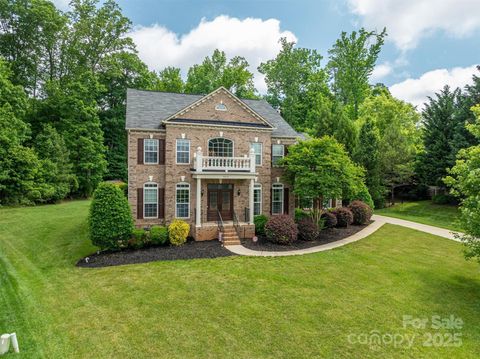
point(202, 158)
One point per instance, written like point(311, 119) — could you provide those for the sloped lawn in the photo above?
point(242, 307)
point(426, 212)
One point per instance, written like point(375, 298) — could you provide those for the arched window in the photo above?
point(150, 200)
point(221, 107)
point(182, 200)
point(220, 147)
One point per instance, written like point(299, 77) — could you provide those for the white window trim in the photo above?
point(278, 186)
point(176, 152)
point(145, 203)
point(144, 151)
point(217, 108)
point(261, 153)
point(257, 187)
point(217, 137)
point(176, 203)
point(283, 154)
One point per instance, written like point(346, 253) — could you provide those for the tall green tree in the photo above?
point(352, 60)
point(294, 72)
point(170, 80)
point(216, 71)
point(464, 179)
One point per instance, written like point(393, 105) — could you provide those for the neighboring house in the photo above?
point(202, 158)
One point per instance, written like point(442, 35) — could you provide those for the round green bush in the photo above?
point(281, 229)
point(329, 219)
point(307, 229)
point(138, 239)
point(110, 220)
point(361, 212)
point(344, 216)
point(178, 231)
point(158, 235)
point(260, 222)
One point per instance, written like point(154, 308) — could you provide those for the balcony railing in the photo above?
point(224, 164)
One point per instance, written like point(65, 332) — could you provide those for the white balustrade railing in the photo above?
point(224, 164)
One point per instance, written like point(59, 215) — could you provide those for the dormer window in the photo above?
point(221, 107)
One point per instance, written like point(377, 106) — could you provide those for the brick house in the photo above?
point(205, 158)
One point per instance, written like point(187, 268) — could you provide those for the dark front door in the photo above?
point(220, 198)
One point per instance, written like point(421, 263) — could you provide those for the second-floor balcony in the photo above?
point(244, 163)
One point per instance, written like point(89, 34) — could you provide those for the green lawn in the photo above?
point(426, 212)
point(241, 307)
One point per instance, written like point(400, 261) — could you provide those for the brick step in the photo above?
point(231, 242)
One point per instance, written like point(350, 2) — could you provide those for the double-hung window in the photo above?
point(278, 152)
point(150, 151)
point(257, 199)
point(150, 200)
point(257, 148)
point(183, 151)
point(182, 200)
point(277, 198)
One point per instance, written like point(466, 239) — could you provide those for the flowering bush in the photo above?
point(361, 212)
point(281, 229)
point(307, 229)
point(178, 232)
point(329, 219)
point(344, 216)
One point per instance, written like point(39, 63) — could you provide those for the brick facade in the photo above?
point(169, 175)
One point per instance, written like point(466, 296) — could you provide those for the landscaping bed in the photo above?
point(190, 250)
point(326, 236)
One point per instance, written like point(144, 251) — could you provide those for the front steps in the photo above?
point(230, 236)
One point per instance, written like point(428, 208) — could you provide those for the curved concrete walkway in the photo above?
point(379, 221)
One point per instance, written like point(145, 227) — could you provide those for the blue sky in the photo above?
point(430, 42)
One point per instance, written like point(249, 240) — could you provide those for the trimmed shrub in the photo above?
point(281, 229)
point(329, 219)
point(444, 199)
point(307, 229)
point(260, 222)
point(364, 196)
point(299, 214)
point(361, 212)
point(178, 232)
point(344, 216)
point(110, 220)
point(159, 235)
point(139, 238)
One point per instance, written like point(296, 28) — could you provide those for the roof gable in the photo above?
point(222, 106)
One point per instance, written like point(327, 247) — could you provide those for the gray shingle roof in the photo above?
point(147, 110)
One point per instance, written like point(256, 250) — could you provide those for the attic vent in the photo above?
point(221, 107)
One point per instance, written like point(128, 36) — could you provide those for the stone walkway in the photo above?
point(379, 221)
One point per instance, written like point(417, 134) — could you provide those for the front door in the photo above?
point(220, 199)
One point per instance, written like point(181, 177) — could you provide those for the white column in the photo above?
point(198, 212)
point(199, 160)
point(250, 202)
point(252, 160)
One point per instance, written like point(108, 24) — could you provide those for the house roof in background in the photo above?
point(147, 109)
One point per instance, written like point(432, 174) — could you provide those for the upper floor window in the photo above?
point(150, 151)
point(220, 147)
point(277, 198)
point(278, 152)
point(183, 151)
point(221, 107)
point(182, 200)
point(150, 200)
point(257, 147)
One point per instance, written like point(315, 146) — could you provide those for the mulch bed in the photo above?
point(326, 236)
point(190, 250)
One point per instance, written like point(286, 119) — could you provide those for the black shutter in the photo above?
point(139, 203)
point(286, 200)
point(161, 152)
point(285, 151)
point(140, 151)
point(161, 203)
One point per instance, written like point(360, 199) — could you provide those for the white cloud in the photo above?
point(62, 4)
point(408, 21)
point(255, 39)
point(416, 91)
point(380, 71)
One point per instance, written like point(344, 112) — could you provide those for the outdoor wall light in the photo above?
point(238, 192)
point(201, 192)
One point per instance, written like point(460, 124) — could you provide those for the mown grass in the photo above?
point(241, 307)
point(426, 212)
